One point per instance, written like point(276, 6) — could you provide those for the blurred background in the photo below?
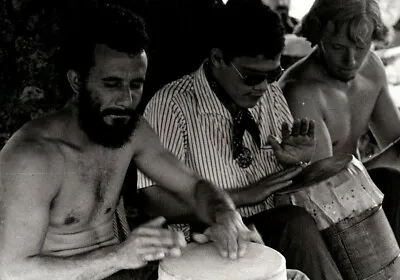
point(32, 32)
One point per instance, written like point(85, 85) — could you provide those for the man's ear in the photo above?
point(74, 80)
point(217, 58)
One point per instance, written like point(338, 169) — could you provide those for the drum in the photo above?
point(346, 206)
point(203, 262)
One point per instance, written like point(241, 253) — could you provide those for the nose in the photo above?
point(351, 58)
point(125, 98)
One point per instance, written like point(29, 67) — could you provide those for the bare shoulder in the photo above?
point(29, 163)
point(145, 138)
point(373, 69)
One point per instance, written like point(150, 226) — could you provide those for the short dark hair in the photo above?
point(353, 12)
point(248, 28)
point(114, 26)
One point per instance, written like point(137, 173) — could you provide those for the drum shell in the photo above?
point(364, 247)
point(344, 195)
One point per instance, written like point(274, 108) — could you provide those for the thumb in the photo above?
point(202, 237)
point(254, 236)
point(273, 141)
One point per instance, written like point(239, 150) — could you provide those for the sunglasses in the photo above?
point(256, 79)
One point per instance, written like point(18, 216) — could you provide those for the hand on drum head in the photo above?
point(149, 242)
point(293, 274)
point(298, 144)
point(229, 234)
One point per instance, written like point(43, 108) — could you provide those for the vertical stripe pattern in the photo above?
point(195, 126)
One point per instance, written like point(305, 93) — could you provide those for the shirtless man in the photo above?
point(342, 86)
point(61, 175)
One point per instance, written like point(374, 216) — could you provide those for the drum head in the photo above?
point(203, 262)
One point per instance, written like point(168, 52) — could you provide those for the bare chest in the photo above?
point(90, 190)
point(348, 112)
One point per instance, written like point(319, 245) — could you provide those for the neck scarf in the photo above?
point(242, 121)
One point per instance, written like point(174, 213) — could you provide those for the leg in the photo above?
point(388, 181)
point(292, 231)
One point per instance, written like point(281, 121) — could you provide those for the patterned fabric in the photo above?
point(120, 223)
point(197, 128)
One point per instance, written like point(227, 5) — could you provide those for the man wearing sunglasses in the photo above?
point(230, 122)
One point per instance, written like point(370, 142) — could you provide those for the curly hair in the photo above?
point(356, 13)
point(248, 28)
point(114, 26)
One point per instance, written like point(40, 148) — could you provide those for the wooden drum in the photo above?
point(347, 208)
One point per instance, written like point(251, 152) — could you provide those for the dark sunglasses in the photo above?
point(256, 79)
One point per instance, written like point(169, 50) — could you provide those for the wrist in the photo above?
point(303, 164)
point(221, 216)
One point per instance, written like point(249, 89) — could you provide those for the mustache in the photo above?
point(118, 112)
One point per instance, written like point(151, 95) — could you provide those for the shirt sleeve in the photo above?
point(166, 118)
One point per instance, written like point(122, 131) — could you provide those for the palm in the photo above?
point(298, 144)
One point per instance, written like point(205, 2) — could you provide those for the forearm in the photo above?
point(95, 265)
point(157, 201)
point(247, 196)
point(210, 200)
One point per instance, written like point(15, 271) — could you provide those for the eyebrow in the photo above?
point(116, 79)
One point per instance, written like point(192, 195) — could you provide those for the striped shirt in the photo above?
point(197, 128)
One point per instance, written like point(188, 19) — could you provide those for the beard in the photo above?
point(91, 121)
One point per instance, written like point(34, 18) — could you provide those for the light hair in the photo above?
point(358, 14)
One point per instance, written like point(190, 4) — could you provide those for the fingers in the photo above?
point(311, 129)
point(293, 274)
point(285, 130)
point(242, 245)
point(296, 127)
point(304, 127)
point(156, 222)
point(279, 186)
point(284, 175)
point(160, 236)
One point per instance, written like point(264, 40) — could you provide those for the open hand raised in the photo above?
point(298, 143)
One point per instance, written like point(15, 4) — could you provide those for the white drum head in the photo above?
point(203, 262)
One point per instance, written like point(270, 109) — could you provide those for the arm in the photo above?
point(159, 201)
point(175, 178)
point(306, 102)
point(30, 180)
point(384, 124)
point(385, 118)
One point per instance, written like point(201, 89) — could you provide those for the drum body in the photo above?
point(203, 262)
point(346, 206)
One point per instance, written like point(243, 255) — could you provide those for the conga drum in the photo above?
point(347, 208)
point(203, 262)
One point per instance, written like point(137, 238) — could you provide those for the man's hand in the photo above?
point(298, 144)
point(274, 182)
point(229, 234)
point(150, 242)
point(293, 274)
